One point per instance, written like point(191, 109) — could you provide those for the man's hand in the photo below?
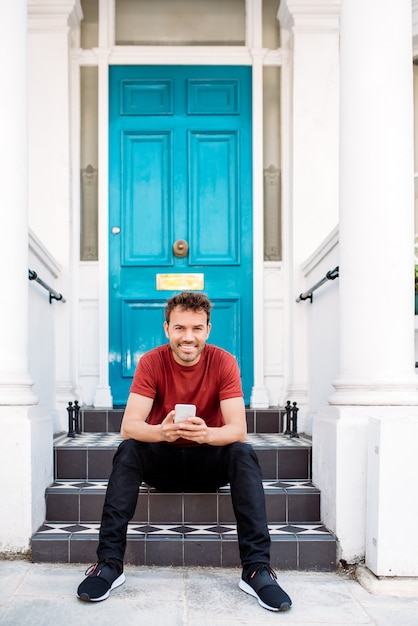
point(169, 430)
point(193, 429)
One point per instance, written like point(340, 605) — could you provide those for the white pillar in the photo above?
point(51, 28)
point(364, 442)
point(22, 428)
point(15, 384)
point(310, 32)
point(376, 206)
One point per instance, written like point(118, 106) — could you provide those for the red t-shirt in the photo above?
point(215, 377)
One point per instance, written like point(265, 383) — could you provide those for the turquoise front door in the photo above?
point(180, 208)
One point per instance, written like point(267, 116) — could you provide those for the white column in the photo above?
point(364, 443)
point(376, 206)
point(19, 423)
point(310, 33)
point(15, 384)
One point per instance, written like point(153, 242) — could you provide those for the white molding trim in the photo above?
point(322, 251)
point(252, 54)
point(51, 16)
point(310, 17)
point(179, 55)
point(259, 395)
point(103, 397)
point(41, 252)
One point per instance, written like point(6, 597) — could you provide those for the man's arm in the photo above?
point(234, 429)
point(134, 425)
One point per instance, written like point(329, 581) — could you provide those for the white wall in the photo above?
point(323, 326)
point(42, 321)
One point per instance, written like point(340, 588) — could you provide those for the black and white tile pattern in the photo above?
point(181, 530)
point(112, 440)
point(98, 485)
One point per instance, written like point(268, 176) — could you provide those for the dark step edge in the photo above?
point(289, 552)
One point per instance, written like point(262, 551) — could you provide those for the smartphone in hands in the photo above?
point(183, 411)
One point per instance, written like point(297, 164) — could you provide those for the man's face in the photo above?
point(187, 332)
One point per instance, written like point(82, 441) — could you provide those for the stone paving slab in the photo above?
point(44, 594)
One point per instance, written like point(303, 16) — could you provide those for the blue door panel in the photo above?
point(215, 214)
point(145, 187)
point(226, 325)
point(213, 97)
point(142, 327)
point(179, 168)
point(146, 97)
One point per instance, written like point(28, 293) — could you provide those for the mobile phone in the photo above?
point(183, 411)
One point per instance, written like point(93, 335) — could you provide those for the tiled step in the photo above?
point(89, 456)
point(82, 502)
point(171, 529)
point(293, 546)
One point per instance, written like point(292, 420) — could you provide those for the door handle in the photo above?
point(115, 230)
point(180, 248)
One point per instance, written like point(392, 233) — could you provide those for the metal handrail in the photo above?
point(308, 295)
point(53, 295)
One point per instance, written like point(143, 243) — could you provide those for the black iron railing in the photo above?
point(73, 419)
point(53, 295)
point(308, 295)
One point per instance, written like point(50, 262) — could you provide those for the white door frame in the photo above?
point(253, 55)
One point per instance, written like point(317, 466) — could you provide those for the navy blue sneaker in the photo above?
point(101, 579)
point(261, 582)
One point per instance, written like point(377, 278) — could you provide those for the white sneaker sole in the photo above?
point(116, 583)
point(248, 589)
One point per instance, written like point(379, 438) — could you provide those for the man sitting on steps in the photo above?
point(201, 453)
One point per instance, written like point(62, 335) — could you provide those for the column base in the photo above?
point(392, 507)
point(339, 463)
point(351, 391)
point(17, 391)
point(363, 463)
point(26, 450)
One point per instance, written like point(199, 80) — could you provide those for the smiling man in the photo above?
point(202, 453)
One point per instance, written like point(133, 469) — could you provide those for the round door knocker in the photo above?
point(180, 248)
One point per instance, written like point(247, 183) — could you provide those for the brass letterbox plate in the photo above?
point(186, 282)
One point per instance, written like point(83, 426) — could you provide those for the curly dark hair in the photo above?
point(188, 301)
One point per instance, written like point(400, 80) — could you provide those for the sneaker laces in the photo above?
point(92, 568)
point(260, 568)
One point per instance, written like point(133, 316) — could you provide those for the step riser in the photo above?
point(96, 464)
point(163, 508)
point(293, 553)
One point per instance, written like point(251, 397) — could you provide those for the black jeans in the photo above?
point(171, 468)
